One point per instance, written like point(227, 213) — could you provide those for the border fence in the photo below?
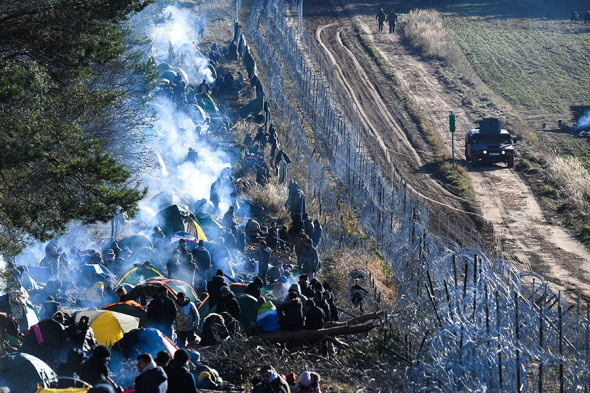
point(470, 320)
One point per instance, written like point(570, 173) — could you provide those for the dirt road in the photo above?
point(506, 202)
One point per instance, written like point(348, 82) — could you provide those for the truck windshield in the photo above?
point(492, 138)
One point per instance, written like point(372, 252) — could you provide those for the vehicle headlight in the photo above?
point(503, 151)
point(485, 152)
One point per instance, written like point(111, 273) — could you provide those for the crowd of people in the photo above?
point(250, 278)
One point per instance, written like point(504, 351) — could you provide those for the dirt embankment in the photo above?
point(507, 203)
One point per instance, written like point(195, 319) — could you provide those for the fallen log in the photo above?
point(357, 320)
point(310, 336)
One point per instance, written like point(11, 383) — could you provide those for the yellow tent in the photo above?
point(109, 326)
point(68, 390)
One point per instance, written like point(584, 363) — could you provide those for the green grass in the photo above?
point(539, 66)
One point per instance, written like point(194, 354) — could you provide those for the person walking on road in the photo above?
point(392, 20)
point(381, 18)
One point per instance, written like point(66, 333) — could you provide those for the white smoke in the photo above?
point(169, 136)
point(584, 121)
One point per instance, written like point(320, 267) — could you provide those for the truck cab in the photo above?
point(489, 143)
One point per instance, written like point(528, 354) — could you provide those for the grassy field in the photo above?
point(536, 59)
point(539, 66)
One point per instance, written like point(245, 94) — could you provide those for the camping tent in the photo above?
point(136, 275)
point(252, 108)
point(175, 219)
point(22, 372)
point(209, 224)
point(91, 273)
point(196, 113)
point(138, 341)
point(109, 326)
point(129, 307)
point(143, 255)
point(208, 104)
point(174, 286)
point(135, 242)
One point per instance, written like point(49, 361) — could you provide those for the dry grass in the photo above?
point(272, 196)
point(569, 175)
point(425, 31)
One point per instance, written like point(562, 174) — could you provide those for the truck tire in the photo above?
point(474, 162)
point(510, 162)
point(467, 158)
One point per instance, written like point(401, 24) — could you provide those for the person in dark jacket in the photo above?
point(162, 312)
point(253, 289)
point(329, 298)
point(314, 316)
point(152, 379)
point(306, 290)
point(319, 301)
point(263, 261)
point(95, 369)
point(228, 302)
point(214, 330)
point(214, 286)
point(81, 335)
point(291, 313)
point(310, 260)
point(72, 365)
point(316, 235)
point(203, 261)
point(180, 380)
point(381, 18)
point(163, 359)
point(173, 265)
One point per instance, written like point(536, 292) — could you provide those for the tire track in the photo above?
point(382, 115)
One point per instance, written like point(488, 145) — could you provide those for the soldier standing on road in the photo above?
point(381, 18)
point(392, 19)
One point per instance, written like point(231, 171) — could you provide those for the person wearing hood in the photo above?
point(267, 320)
point(96, 370)
point(227, 302)
point(272, 381)
point(291, 312)
point(309, 383)
point(214, 287)
point(310, 260)
point(316, 235)
point(214, 330)
point(180, 380)
point(253, 289)
point(187, 319)
point(314, 316)
point(152, 379)
point(297, 288)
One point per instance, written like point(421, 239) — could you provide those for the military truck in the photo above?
point(489, 143)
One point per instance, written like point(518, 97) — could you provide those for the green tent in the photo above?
point(22, 372)
point(162, 67)
point(136, 275)
point(209, 104)
point(252, 108)
point(249, 310)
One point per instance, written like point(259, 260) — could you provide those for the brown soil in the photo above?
point(518, 225)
